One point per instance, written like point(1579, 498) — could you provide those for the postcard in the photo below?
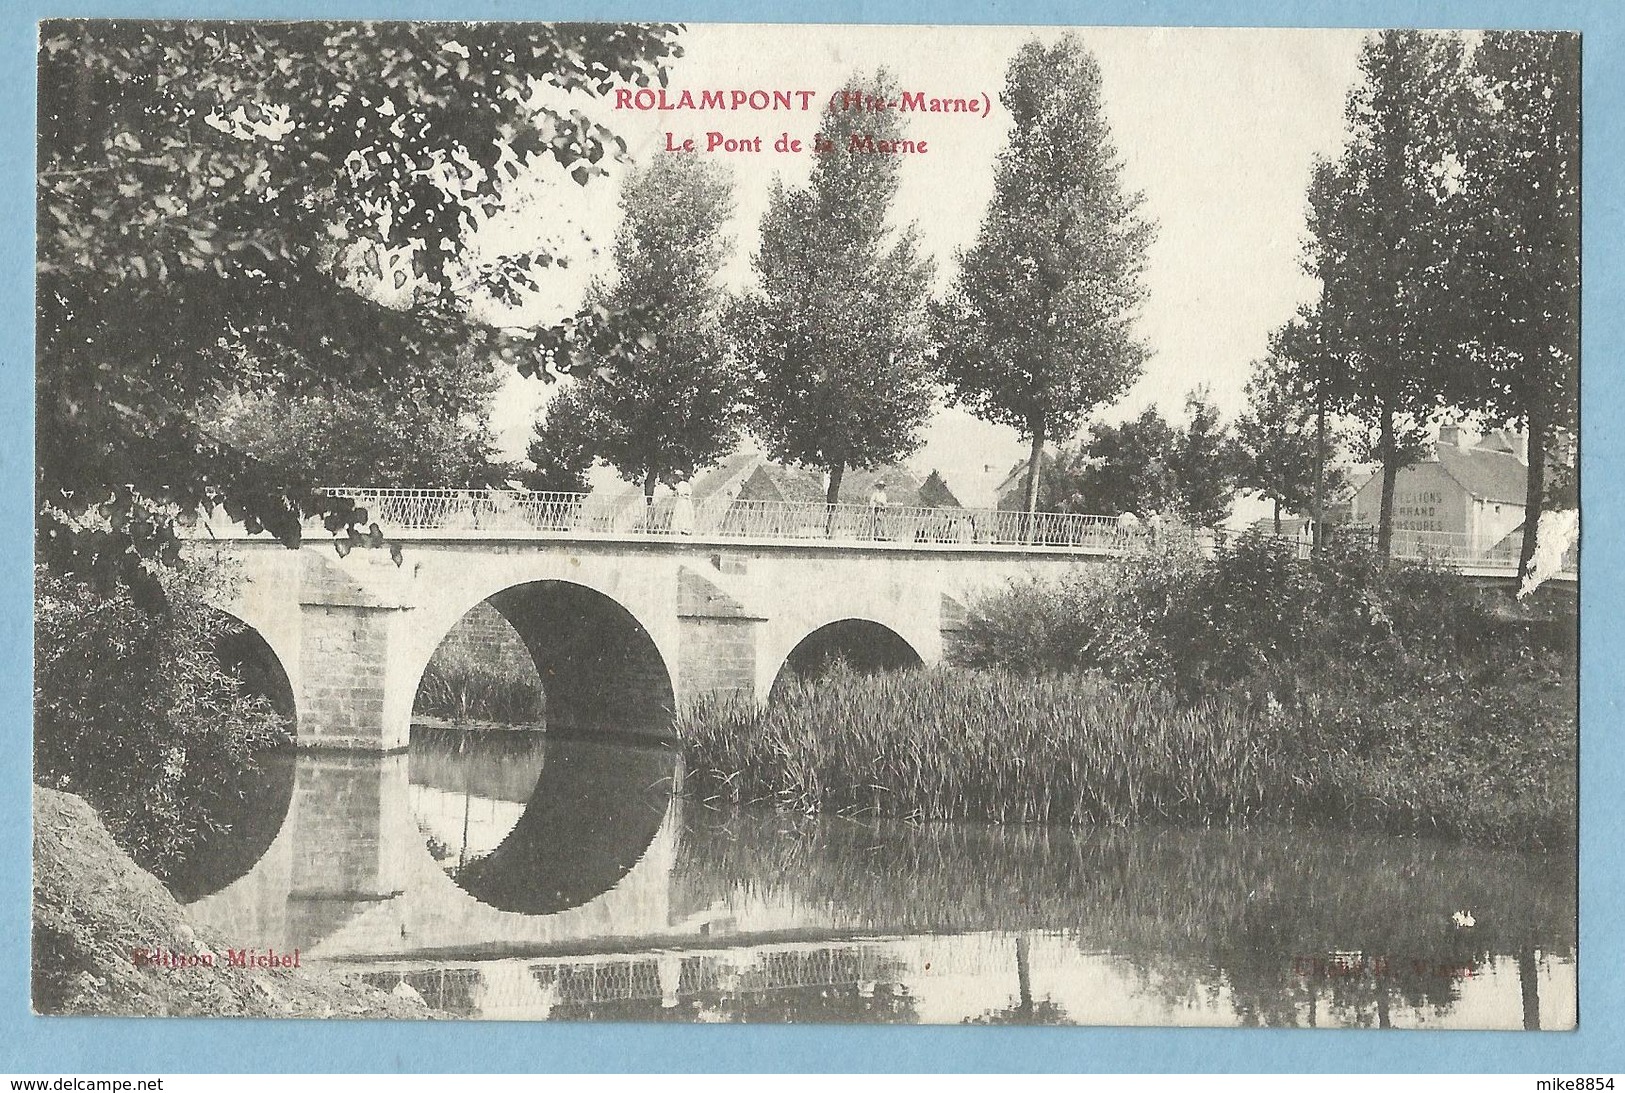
point(774, 523)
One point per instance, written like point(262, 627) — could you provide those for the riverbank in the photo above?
point(96, 913)
point(1080, 749)
point(476, 724)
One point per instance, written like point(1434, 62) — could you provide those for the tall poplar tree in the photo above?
point(1038, 328)
point(835, 331)
point(669, 400)
point(1518, 212)
point(1380, 247)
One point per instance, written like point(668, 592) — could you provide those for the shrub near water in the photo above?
point(1258, 616)
point(989, 745)
point(134, 711)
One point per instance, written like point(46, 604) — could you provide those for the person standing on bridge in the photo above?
point(877, 508)
point(463, 514)
point(682, 510)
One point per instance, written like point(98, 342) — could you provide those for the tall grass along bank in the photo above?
point(1251, 685)
point(994, 745)
point(458, 686)
point(938, 745)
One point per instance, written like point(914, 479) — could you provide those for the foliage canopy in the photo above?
point(834, 333)
point(248, 206)
point(672, 401)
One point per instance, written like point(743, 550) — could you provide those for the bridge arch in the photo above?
point(264, 600)
point(863, 643)
point(599, 666)
point(253, 808)
point(249, 654)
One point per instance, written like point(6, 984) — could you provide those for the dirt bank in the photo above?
point(94, 908)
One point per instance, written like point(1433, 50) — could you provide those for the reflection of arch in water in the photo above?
point(596, 809)
point(862, 644)
point(253, 804)
point(469, 788)
point(494, 765)
point(598, 666)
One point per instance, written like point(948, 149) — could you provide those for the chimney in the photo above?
point(1450, 435)
point(1520, 446)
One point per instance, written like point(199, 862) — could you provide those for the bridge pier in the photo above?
point(351, 841)
point(355, 685)
point(717, 638)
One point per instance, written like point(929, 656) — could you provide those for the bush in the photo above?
point(1091, 619)
point(135, 712)
point(1253, 615)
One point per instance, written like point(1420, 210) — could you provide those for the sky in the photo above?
point(1219, 128)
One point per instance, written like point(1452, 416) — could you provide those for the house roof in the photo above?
point(1499, 440)
point(1016, 477)
point(750, 475)
point(775, 482)
point(1485, 473)
point(732, 472)
point(1356, 476)
point(934, 492)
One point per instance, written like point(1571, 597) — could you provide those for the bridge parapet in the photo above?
point(527, 514)
point(522, 514)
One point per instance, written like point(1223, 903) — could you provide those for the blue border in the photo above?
point(63, 1046)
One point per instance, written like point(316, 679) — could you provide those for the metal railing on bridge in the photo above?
point(522, 514)
point(498, 513)
point(1458, 549)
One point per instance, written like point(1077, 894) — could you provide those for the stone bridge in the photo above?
point(623, 623)
point(628, 612)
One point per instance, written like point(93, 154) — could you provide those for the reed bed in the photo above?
point(460, 688)
point(985, 745)
point(1076, 749)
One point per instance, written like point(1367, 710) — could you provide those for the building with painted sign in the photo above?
point(1469, 491)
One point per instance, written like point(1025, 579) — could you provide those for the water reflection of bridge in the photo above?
point(769, 917)
point(979, 977)
point(352, 872)
point(632, 985)
point(365, 865)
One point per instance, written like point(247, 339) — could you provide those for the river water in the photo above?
point(509, 875)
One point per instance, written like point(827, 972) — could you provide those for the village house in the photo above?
point(1467, 493)
point(749, 477)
